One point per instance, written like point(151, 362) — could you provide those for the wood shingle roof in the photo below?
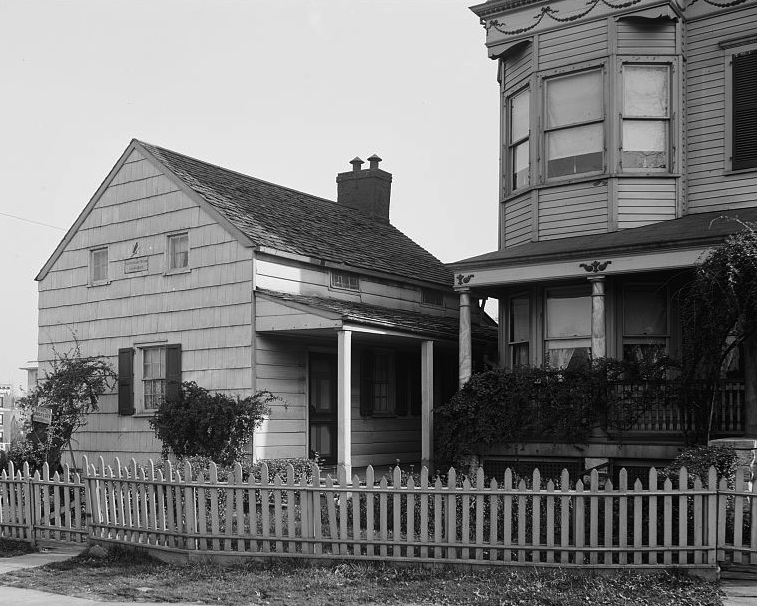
point(294, 222)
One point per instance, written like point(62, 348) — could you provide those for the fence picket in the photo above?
point(291, 545)
point(424, 519)
point(637, 521)
point(698, 510)
point(712, 503)
point(438, 537)
point(550, 508)
point(608, 526)
point(493, 521)
point(522, 519)
point(722, 538)
point(479, 513)
point(536, 516)
point(342, 497)
point(383, 517)
point(451, 514)
point(578, 520)
point(465, 528)
point(667, 518)
point(410, 486)
point(593, 516)
point(356, 530)
point(396, 512)
point(652, 532)
point(265, 507)
point(623, 518)
point(738, 516)
point(277, 513)
point(316, 510)
point(564, 516)
point(507, 513)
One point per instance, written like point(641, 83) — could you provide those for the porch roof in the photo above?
point(322, 313)
point(700, 230)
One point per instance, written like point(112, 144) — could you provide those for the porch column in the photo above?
point(427, 403)
point(598, 331)
point(465, 345)
point(344, 401)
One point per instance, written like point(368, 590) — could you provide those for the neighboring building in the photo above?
point(627, 131)
point(7, 408)
point(181, 270)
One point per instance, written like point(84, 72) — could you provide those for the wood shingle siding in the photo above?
point(581, 42)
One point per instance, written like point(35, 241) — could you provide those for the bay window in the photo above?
point(645, 115)
point(518, 139)
point(568, 327)
point(645, 322)
point(519, 330)
point(574, 124)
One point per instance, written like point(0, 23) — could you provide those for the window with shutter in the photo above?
point(157, 376)
point(744, 110)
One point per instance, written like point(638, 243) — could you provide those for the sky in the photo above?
point(284, 90)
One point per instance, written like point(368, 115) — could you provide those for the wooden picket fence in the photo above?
point(680, 522)
point(36, 507)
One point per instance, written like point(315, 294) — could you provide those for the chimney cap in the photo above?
point(357, 163)
point(374, 161)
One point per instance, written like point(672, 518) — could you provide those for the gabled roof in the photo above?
point(700, 230)
point(294, 222)
point(279, 219)
point(383, 317)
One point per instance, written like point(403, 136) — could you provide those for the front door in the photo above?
point(323, 406)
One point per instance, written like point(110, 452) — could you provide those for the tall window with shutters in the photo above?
point(742, 121)
point(156, 376)
point(390, 383)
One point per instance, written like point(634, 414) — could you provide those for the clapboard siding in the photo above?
point(709, 188)
point(571, 45)
point(518, 220)
point(299, 278)
point(207, 309)
point(645, 201)
point(573, 210)
point(646, 37)
point(518, 67)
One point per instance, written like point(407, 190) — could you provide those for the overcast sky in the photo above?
point(288, 91)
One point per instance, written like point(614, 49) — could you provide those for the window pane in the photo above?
point(99, 263)
point(645, 144)
point(520, 165)
point(520, 354)
point(645, 91)
point(567, 357)
point(178, 251)
point(519, 319)
point(154, 376)
point(519, 122)
point(574, 99)
point(575, 150)
point(645, 311)
point(568, 317)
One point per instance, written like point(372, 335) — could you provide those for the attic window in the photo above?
point(98, 265)
point(432, 297)
point(343, 280)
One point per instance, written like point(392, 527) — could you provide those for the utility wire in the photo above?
point(30, 221)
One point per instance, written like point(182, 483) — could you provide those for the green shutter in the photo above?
point(415, 385)
point(173, 371)
point(744, 111)
point(402, 377)
point(126, 381)
point(366, 383)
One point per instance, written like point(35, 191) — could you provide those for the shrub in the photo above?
point(698, 459)
point(217, 426)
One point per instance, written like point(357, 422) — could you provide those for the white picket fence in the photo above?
point(673, 523)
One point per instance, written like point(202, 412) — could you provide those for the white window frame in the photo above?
point(139, 375)
point(544, 80)
point(511, 342)
point(575, 341)
point(655, 63)
point(93, 252)
point(731, 48)
point(628, 338)
point(342, 280)
point(170, 239)
point(512, 144)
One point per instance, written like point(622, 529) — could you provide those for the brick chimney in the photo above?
point(365, 190)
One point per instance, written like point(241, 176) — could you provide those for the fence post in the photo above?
point(28, 505)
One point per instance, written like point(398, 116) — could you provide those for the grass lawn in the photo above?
point(125, 576)
point(10, 548)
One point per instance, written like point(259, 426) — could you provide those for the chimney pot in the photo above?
point(374, 161)
point(357, 163)
point(367, 191)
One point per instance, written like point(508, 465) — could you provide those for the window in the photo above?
point(344, 280)
point(568, 327)
point(432, 297)
point(378, 384)
point(518, 143)
point(744, 110)
point(2, 419)
point(645, 117)
point(155, 377)
point(645, 322)
point(574, 124)
point(98, 266)
point(519, 330)
point(178, 252)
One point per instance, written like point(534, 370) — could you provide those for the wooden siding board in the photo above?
point(581, 42)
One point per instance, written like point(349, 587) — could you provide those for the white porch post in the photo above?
point(427, 403)
point(598, 330)
point(344, 401)
point(465, 345)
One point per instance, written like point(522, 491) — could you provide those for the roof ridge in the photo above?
point(240, 174)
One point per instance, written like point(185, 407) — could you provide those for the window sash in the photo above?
point(382, 384)
point(345, 281)
point(153, 376)
point(645, 117)
point(99, 265)
point(178, 251)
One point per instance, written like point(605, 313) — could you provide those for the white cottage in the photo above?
point(181, 270)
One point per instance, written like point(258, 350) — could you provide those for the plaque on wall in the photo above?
point(135, 265)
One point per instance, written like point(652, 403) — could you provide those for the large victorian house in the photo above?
point(627, 131)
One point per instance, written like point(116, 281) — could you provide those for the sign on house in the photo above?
point(134, 265)
point(43, 414)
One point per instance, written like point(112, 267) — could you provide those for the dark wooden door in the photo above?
point(322, 395)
